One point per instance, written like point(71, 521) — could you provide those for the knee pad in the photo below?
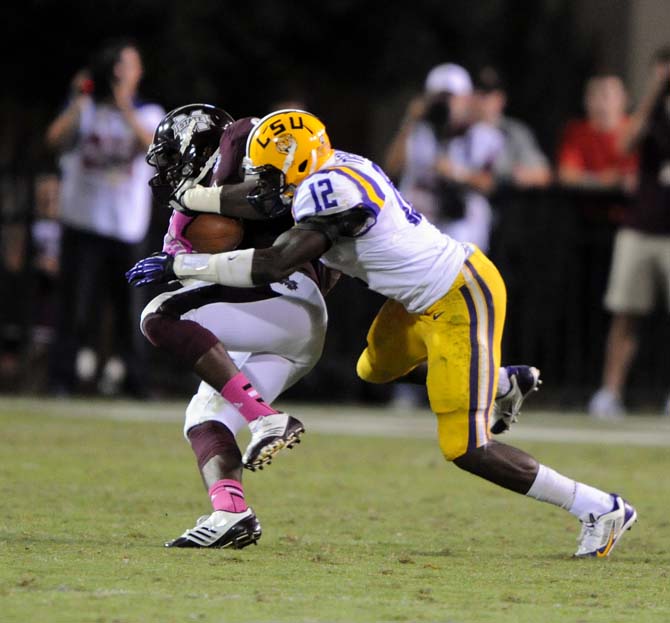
point(208, 404)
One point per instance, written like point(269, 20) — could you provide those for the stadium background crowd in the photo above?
point(553, 223)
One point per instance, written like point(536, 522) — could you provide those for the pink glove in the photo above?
point(174, 241)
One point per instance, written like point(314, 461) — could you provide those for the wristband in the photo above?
point(229, 269)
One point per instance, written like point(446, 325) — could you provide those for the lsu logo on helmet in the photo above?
point(293, 141)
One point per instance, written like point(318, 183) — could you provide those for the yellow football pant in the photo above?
point(459, 336)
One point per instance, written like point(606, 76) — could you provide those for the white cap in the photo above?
point(449, 78)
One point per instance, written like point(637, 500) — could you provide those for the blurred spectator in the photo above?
point(45, 234)
point(520, 162)
point(443, 156)
point(641, 257)
point(105, 207)
point(590, 155)
point(12, 316)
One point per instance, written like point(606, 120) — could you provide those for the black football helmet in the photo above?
point(185, 147)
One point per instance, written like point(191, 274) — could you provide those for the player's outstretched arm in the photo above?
point(308, 240)
point(242, 269)
point(290, 250)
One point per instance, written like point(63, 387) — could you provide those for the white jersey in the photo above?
point(104, 186)
point(398, 253)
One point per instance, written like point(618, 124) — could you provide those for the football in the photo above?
point(211, 233)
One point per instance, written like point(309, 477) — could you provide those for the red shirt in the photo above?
point(586, 148)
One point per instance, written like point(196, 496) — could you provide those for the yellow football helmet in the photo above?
point(293, 141)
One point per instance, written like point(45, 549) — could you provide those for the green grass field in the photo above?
point(356, 528)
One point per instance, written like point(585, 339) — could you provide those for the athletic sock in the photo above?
point(504, 384)
point(550, 486)
point(577, 498)
point(590, 501)
point(227, 495)
point(241, 393)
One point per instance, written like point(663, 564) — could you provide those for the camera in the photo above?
point(437, 112)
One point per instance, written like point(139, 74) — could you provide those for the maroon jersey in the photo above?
point(232, 147)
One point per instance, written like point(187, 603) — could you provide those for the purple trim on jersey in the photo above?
point(371, 225)
point(367, 200)
point(371, 181)
point(411, 214)
point(474, 370)
point(491, 324)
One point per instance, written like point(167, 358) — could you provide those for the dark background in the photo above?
point(349, 60)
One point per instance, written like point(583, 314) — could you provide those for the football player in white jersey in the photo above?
point(247, 345)
point(446, 302)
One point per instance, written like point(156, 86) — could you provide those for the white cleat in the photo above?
point(524, 381)
point(600, 535)
point(222, 529)
point(269, 435)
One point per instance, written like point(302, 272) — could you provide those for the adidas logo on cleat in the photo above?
point(222, 529)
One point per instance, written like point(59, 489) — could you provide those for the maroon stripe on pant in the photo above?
point(181, 302)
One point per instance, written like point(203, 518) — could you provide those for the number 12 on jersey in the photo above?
point(321, 194)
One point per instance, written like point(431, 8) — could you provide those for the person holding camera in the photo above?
point(641, 255)
point(105, 209)
point(443, 156)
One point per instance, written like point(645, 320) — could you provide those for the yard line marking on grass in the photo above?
point(362, 421)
